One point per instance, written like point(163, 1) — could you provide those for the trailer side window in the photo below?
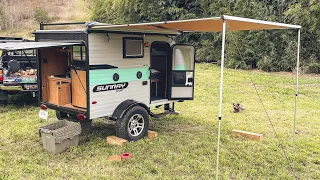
point(79, 53)
point(132, 47)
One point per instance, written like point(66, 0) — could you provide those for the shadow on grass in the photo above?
point(18, 102)
point(100, 130)
point(22, 99)
point(166, 125)
point(175, 124)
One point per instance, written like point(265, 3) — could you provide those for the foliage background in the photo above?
point(270, 50)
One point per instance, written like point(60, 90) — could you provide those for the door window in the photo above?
point(182, 80)
point(183, 58)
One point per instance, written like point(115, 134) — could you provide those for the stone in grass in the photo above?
point(152, 134)
point(114, 140)
point(114, 158)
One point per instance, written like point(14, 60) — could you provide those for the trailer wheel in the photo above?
point(61, 115)
point(134, 124)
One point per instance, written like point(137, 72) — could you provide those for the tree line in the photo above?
point(269, 50)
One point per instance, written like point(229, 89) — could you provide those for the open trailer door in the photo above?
point(182, 74)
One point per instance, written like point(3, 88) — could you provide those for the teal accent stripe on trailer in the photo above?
point(105, 76)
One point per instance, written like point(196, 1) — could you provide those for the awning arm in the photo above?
point(297, 88)
point(220, 94)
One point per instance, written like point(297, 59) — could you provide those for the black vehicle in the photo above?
point(18, 71)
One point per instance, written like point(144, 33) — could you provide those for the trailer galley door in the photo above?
point(182, 74)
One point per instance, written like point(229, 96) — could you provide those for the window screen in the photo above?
point(183, 58)
point(133, 47)
point(79, 53)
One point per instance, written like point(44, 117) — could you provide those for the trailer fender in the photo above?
point(123, 107)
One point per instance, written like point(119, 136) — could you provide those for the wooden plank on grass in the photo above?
point(248, 135)
point(152, 134)
point(114, 158)
point(114, 140)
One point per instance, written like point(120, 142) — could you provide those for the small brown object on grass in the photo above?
point(248, 135)
point(237, 107)
point(152, 134)
point(114, 158)
point(114, 140)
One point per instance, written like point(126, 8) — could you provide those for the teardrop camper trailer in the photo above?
point(114, 73)
point(120, 71)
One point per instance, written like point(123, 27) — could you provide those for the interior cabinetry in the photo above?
point(53, 62)
point(57, 86)
point(59, 90)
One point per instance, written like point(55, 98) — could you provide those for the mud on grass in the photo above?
point(186, 144)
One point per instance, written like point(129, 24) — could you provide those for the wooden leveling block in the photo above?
point(248, 135)
point(114, 140)
point(114, 158)
point(152, 134)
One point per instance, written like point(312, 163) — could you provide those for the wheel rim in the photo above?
point(136, 125)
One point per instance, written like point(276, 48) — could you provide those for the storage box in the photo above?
point(57, 137)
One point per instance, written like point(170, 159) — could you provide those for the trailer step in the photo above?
point(165, 113)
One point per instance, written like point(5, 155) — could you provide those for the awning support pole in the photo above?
point(297, 88)
point(220, 96)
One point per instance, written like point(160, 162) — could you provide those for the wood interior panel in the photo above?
point(51, 91)
point(54, 94)
point(53, 62)
point(64, 93)
point(79, 97)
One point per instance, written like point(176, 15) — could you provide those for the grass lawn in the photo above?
point(186, 144)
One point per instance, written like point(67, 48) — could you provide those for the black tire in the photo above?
point(128, 126)
point(86, 126)
point(61, 115)
point(4, 102)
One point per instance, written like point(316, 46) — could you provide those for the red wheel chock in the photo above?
point(126, 156)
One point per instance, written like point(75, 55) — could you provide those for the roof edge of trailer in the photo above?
point(134, 31)
point(60, 31)
point(147, 23)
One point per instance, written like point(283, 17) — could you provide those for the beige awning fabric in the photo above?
point(213, 24)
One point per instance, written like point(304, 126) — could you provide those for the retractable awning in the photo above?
point(34, 45)
point(213, 24)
